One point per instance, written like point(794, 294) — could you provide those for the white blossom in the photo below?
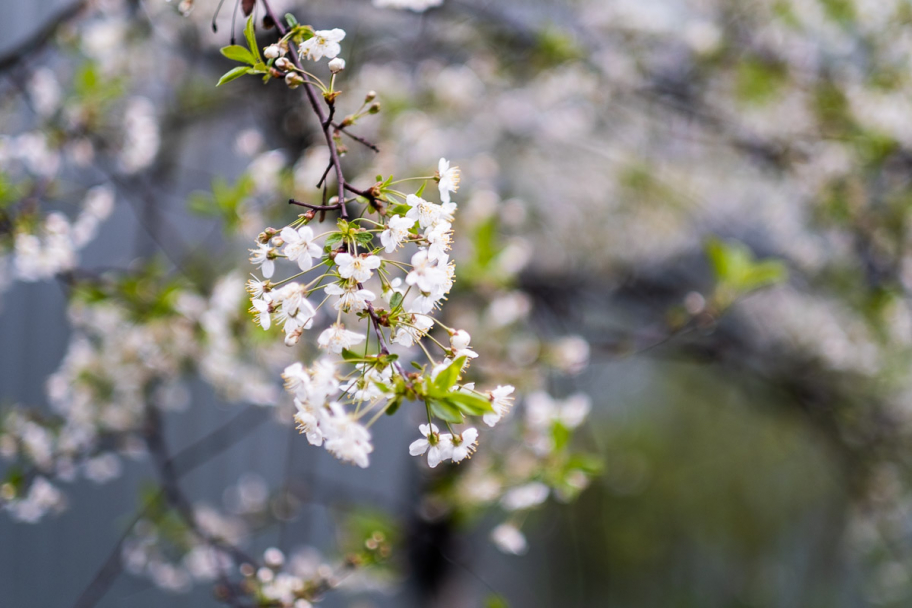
point(509, 539)
point(427, 213)
point(300, 246)
point(501, 401)
point(335, 338)
point(345, 438)
point(357, 267)
point(324, 43)
point(397, 231)
point(436, 451)
point(352, 299)
point(525, 496)
point(263, 256)
point(448, 179)
point(464, 444)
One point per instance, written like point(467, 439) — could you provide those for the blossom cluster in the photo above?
point(357, 272)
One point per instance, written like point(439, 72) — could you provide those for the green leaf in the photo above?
point(396, 300)
point(393, 406)
point(236, 52)
point(495, 601)
point(353, 357)
point(417, 366)
point(561, 435)
point(364, 238)
point(421, 189)
point(290, 20)
point(446, 411)
point(448, 376)
point(233, 75)
point(250, 35)
point(332, 239)
point(469, 404)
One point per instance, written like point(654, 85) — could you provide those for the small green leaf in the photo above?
point(448, 376)
point(333, 238)
point(495, 601)
point(238, 53)
point(250, 34)
point(417, 366)
point(421, 190)
point(353, 357)
point(364, 238)
point(396, 300)
point(469, 404)
point(290, 20)
point(393, 406)
point(446, 411)
point(233, 75)
point(561, 435)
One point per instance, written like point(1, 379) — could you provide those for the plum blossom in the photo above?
point(264, 257)
point(448, 179)
point(336, 338)
point(357, 267)
point(300, 246)
point(345, 438)
point(509, 539)
point(464, 444)
point(501, 401)
point(261, 310)
point(437, 451)
point(325, 43)
point(352, 299)
point(397, 231)
point(525, 496)
point(427, 213)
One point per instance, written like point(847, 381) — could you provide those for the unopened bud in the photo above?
point(283, 64)
point(460, 339)
point(371, 95)
point(272, 51)
point(293, 80)
point(375, 107)
point(336, 65)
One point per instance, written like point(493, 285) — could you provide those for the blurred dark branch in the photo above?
point(41, 36)
point(360, 140)
point(186, 460)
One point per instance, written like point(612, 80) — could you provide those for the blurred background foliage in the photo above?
point(714, 194)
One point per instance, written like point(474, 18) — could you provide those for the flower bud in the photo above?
point(460, 340)
point(375, 107)
point(272, 51)
point(336, 65)
point(283, 64)
point(293, 80)
point(371, 95)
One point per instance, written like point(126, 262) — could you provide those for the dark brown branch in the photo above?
point(291, 201)
point(318, 110)
point(360, 140)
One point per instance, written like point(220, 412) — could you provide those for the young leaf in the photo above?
point(238, 53)
point(250, 34)
point(421, 190)
point(448, 377)
point(446, 411)
point(396, 300)
point(469, 404)
point(290, 20)
point(393, 406)
point(233, 75)
point(352, 357)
